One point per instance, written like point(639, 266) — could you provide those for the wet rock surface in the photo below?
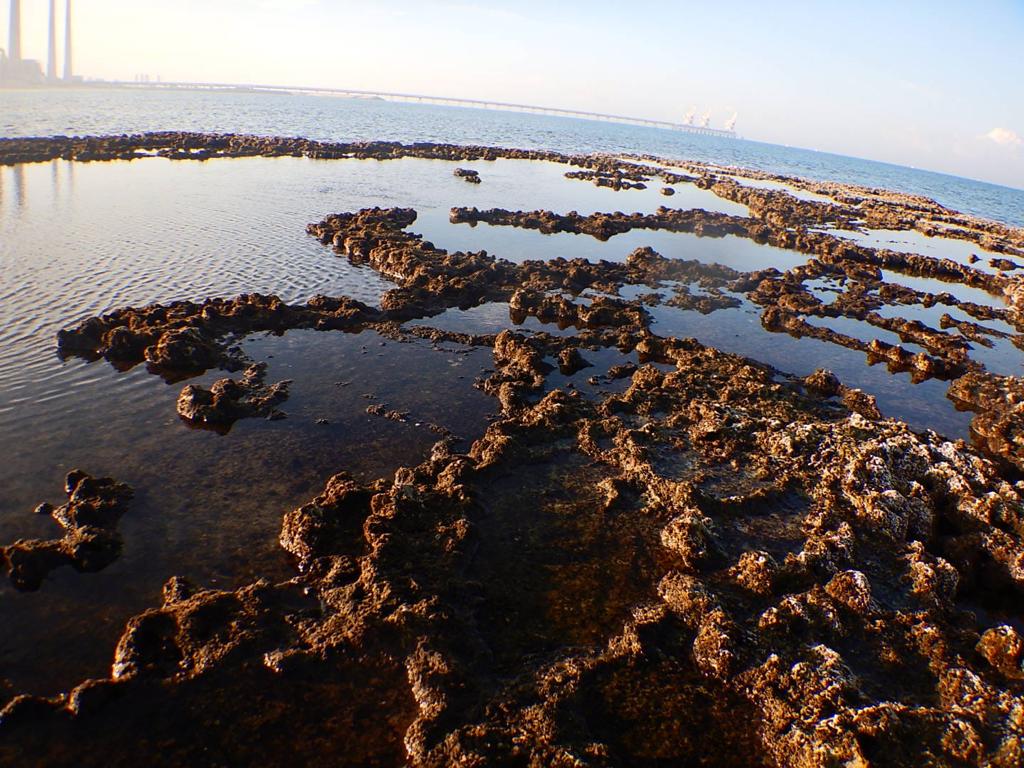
point(701, 560)
point(229, 400)
point(588, 574)
point(90, 542)
point(789, 301)
point(468, 175)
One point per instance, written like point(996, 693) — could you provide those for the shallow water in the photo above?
point(81, 239)
point(1003, 357)
point(104, 111)
point(934, 285)
point(516, 244)
point(911, 241)
point(209, 506)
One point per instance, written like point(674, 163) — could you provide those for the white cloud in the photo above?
point(1004, 136)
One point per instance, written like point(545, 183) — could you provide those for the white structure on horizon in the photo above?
point(18, 71)
point(51, 59)
point(68, 75)
point(730, 124)
point(14, 33)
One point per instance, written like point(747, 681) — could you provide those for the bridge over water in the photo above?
point(444, 100)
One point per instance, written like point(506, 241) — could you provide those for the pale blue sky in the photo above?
point(937, 85)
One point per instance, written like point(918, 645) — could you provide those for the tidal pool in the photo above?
point(77, 240)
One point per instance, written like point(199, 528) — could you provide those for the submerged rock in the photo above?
point(90, 542)
point(229, 400)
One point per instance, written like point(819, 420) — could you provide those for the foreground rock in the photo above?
point(90, 542)
point(708, 558)
point(702, 562)
point(229, 400)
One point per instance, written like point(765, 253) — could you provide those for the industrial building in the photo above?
point(19, 72)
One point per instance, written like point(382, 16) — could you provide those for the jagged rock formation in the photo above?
point(229, 400)
point(90, 541)
point(704, 561)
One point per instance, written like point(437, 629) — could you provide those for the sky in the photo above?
point(936, 85)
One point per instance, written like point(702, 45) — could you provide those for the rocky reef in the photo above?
point(468, 175)
point(700, 560)
point(603, 583)
point(876, 208)
point(229, 400)
point(90, 541)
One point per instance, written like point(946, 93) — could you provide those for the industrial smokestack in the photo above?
point(51, 62)
point(14, 47)
point(67, 43)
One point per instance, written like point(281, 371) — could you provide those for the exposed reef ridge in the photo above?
point(188, 336)
point(876, 208)
point(701, 560)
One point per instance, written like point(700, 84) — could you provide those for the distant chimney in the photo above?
point(51, 65)
point(67, 43)
point(14, 47)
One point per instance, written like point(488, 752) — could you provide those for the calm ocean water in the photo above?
point(42, 113)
